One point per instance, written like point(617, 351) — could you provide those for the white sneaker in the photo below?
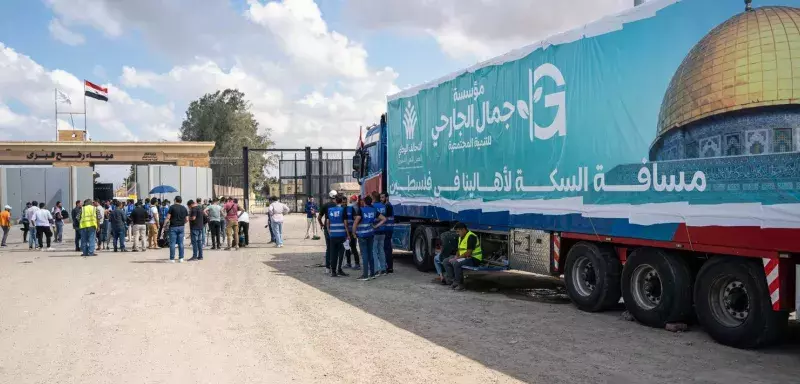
point(180, 260)
point(50, 249)
point(172, 261)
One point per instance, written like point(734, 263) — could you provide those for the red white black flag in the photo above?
point(95, 91)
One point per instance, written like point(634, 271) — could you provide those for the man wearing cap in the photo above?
point(311, 213)
point(5, 223)
point(323, 212)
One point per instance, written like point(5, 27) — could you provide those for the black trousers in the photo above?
point(43, 230)
point(354, 251)
point(25, 228)
point(215, 227)
point(244, 229)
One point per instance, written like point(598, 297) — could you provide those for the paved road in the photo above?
point(266, 315)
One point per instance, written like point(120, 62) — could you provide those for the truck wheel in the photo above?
point(657, 287)
point(423, 240)
point(733, 304)
point(592, 275)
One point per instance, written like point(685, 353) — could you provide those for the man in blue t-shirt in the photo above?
point(311, 216)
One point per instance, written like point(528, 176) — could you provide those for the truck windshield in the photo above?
point(374, 165)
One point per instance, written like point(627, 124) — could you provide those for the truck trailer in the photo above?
point(651, 156)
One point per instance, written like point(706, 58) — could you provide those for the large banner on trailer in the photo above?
point(673, 105)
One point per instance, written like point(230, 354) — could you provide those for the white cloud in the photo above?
point(63, 34)
point(305, 38)
point(93, 13)
point(278, 53)
point(25, 82)
point(481, 28)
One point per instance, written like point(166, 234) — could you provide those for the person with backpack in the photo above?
point(231, 210)
point(58, 219)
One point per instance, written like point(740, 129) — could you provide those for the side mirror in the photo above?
point(355, 175)
point(357, 162)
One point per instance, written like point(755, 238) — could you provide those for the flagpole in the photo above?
point(55, 101)
point(85, 116)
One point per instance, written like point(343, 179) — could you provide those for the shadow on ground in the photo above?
point(529, 333)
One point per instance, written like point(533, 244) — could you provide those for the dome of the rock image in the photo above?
point(737, 92)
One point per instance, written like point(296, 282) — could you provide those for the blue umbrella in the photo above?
point(163, 189)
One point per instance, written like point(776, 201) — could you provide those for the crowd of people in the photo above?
point(146, 223)
point(356, 227)
point(358, 231)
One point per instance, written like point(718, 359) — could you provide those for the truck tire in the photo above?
point(592, 276)
point(423, 248)
point(733, 304)
point(657, 287)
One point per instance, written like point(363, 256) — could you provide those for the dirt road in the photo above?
point(266, 315)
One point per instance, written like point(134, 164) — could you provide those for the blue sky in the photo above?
point(314, 70)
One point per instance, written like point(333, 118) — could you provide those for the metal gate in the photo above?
point(303, 173)
point(227, 177)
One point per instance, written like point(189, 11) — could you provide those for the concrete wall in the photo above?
point(191, 182)
point(19, 185)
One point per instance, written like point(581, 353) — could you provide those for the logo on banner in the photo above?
point(410, 120)
point(481, 113)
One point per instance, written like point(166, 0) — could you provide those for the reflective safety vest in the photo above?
point(163, 215)
point(477, 253)
point(349, 211)
point(368, 215)
point(88, 217)
point(336, 220)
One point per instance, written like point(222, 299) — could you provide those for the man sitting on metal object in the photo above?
point(445, 252)
point(469, 253)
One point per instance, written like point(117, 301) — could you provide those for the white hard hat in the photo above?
point(332, 193)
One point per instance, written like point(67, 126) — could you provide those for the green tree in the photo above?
point(131, 179)
point(224, 117)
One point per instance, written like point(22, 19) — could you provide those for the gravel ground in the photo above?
point(267, 315)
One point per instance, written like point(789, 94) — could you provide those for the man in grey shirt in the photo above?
point(214, 212)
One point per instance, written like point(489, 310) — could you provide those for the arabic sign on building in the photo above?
point(664, 109)
point(70, 156)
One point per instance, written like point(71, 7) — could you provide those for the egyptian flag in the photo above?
point(95, 91)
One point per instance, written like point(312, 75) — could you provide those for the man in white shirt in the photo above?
point(152, 225)
point(42, 218)
point(244, 226)
point(30, 215)
point(276, 211)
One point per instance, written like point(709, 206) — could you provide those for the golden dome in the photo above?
point(750, 60)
